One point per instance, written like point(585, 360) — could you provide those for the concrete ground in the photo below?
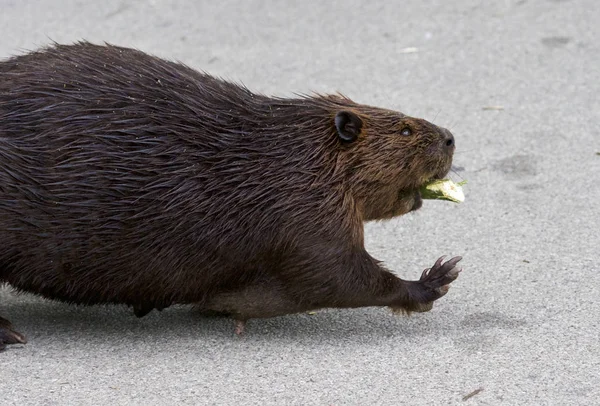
point(517, 81)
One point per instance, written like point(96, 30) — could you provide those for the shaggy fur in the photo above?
point(125, 178)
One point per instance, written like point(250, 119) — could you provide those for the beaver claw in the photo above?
point(433, 284)
point(8, 335)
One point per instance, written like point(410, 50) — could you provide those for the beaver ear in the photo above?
point(348, 126)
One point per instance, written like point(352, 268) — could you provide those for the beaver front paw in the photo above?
point(433, 284)
point(8, 335)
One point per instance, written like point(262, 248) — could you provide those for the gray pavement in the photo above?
point(517, 81)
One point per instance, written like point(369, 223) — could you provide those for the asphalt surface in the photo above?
point(517, 81)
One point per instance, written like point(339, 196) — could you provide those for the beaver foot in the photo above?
point(8, 335)
point(240, 326)
point(433, 284)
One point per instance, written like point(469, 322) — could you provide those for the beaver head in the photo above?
point(390, 155)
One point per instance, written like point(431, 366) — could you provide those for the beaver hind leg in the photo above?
point(264, 299)
point(8, 335)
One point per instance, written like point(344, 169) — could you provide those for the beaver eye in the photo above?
point(406, 131)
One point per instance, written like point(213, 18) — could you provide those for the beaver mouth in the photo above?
point(442, 174)
point(438, 176)
point(415, 189)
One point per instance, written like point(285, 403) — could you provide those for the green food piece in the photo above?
point(443, 189)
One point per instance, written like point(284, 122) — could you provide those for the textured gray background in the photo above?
point(522, 321)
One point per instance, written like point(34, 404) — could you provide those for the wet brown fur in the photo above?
point(125, 178)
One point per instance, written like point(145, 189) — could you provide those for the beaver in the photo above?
point(129, 179)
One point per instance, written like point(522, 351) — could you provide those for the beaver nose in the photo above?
point(448, 139)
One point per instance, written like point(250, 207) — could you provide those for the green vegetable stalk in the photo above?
point(443, 189)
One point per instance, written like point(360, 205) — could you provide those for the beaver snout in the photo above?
point(448, 140)
point(442, 152)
